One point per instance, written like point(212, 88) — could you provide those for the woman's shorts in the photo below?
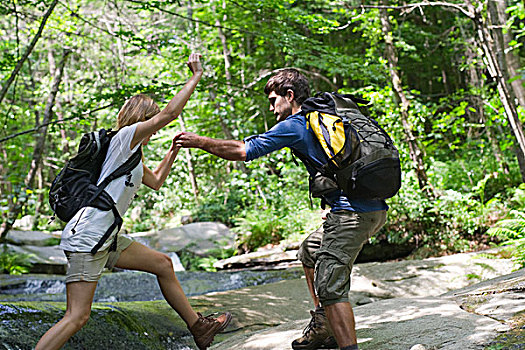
point(87, 267)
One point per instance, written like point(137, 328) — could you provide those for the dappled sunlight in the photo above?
point(272, 340)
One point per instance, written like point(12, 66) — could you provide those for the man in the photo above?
point(327, 255)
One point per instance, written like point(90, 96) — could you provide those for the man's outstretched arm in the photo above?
point(227, 149)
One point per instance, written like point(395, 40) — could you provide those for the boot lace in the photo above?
point(208, 319)
point(311, 326)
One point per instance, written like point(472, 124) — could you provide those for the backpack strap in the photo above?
point(117, 223)
point(125, 168)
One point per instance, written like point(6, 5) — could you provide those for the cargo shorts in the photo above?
point(332, 249)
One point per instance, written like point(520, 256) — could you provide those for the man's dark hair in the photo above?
point(289, 79)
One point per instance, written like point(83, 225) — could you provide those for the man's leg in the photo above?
point(341, 318)
point(345, 233)
point(317, 334)
point(306, 255)
point(309, 274)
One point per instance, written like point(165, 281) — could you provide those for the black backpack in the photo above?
point(362, 159)
point(75, 187)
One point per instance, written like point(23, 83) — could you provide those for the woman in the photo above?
point(138, 119)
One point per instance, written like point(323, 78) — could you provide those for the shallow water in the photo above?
point(136, 286)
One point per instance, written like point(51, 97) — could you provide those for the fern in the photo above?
point(513, 232)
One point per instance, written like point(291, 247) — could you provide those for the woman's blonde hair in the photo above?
point(139, 108)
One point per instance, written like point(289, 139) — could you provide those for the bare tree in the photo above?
point(507, 58)
point(189, 163)
point(28, 51)
point(484, 41)
point(38, 150)
point(415, 151)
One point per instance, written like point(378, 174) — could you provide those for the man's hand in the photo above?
point(188, 140)
point(226, 149)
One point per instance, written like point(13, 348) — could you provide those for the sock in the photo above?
point(350, 347)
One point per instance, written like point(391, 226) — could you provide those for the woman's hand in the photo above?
point(174, 147)
point(194, 63)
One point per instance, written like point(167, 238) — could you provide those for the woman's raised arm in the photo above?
point(174, 107)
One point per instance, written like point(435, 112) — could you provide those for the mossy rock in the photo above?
point(125, 325)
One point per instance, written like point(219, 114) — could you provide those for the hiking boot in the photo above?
point(206, 327)
point(317, 335)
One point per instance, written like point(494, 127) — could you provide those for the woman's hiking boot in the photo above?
point(317, 335)
point(206, 327)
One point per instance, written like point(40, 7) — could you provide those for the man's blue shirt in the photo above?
point(292, 133)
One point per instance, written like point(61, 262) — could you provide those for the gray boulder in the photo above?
point(199, 238)
point(50, 260)
point(453, 321)
point(35, 238)
point(395, 324)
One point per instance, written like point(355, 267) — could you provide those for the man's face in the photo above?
point(280, 106)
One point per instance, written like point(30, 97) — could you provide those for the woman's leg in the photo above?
point(79, 300)
point(140, 257)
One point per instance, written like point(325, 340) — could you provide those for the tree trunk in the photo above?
point(475, 82)
point(509, 62)
point(484, 40)
point(189, 163)
point(416, 154)
point(28, 51)
point(227, 65)
point(38, 150)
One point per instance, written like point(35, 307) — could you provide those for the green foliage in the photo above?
point(512, 231)
point(458, 122)
point(14, 263)
point(194, 262)
point(259, 228)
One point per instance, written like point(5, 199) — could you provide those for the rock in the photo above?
point(433, 276)
point(502, 298)
point(186, 219)
point(199, 238)
point(266, 257)
point(139, 325)
point(432, 321)
point(418, 347)
point(394, 324)
point(35, 238)
point(135, 285)
point(25, 223)
point(50, 260)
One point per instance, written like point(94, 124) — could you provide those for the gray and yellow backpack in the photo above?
point(362, 159)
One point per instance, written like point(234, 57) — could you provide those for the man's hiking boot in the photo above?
point(205, 328)
point(317, 335)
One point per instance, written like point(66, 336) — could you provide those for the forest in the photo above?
point(445, 79)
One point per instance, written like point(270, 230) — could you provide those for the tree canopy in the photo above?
point(445, 79)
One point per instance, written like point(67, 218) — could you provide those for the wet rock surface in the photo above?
point(136, 286)
point(270, 316)
point(431, 323)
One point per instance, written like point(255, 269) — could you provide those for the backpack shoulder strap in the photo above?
point(125, 168)
point(129, 165)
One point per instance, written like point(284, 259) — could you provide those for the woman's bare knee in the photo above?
point(163, 265)
point(77, 320)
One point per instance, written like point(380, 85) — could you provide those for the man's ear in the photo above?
point(290, 95)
